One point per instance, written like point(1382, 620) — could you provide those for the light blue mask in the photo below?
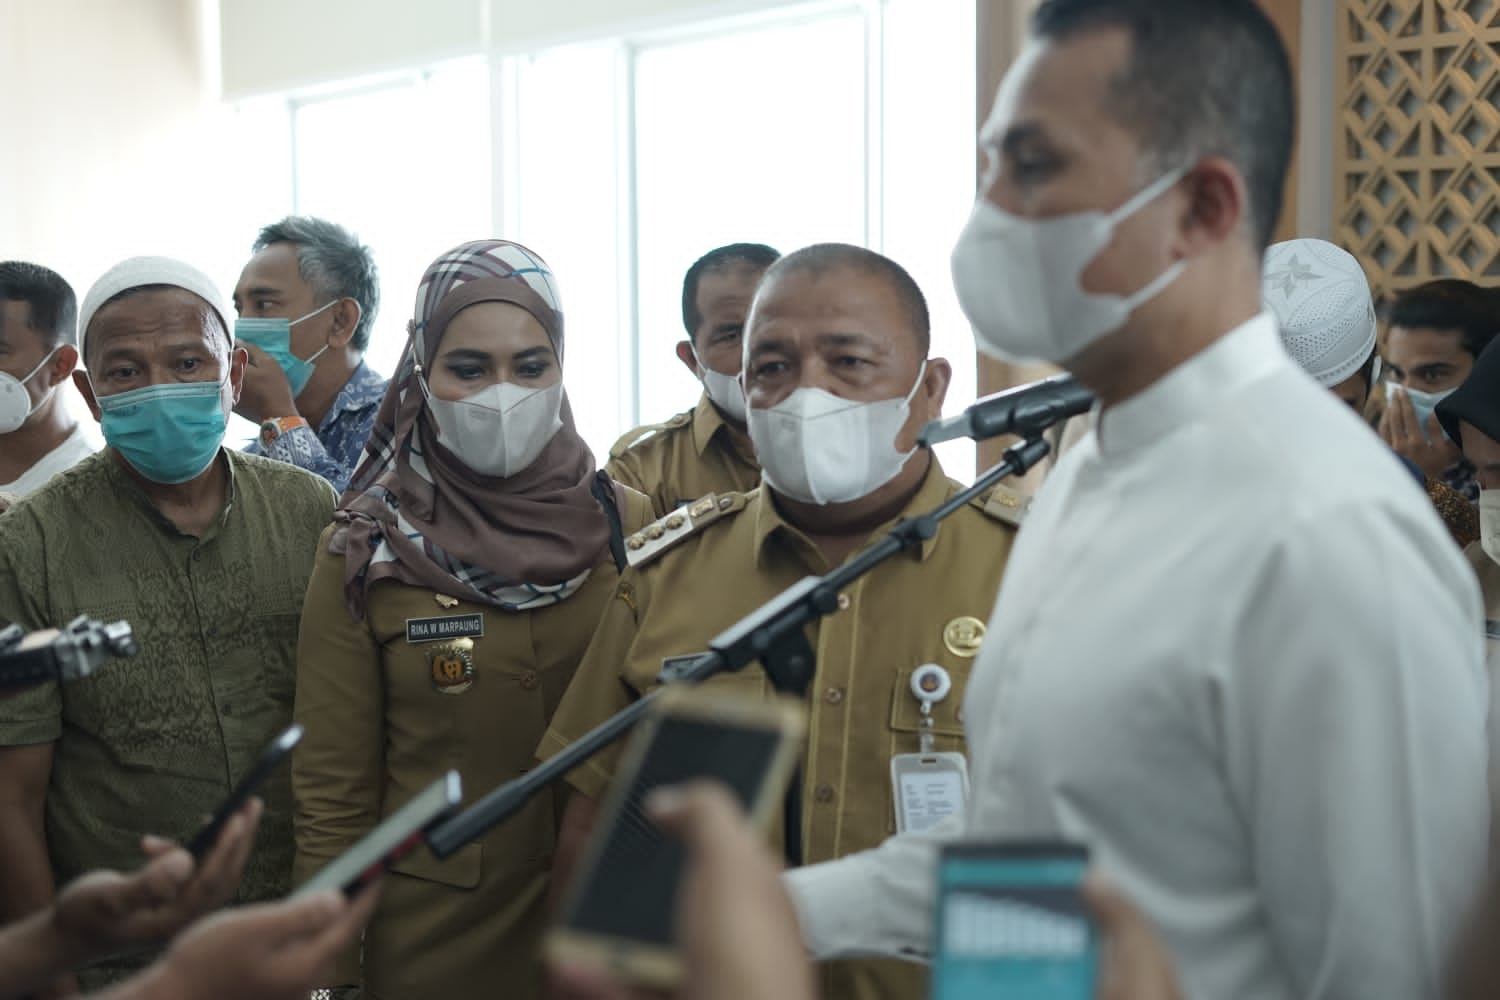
point(1424, 404)
point(274, 336)
point(168, 433)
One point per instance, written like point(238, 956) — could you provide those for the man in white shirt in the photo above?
point(1232, 652)
point(39, 437)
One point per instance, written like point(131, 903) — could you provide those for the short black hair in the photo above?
point(1205, 78)
point(53, 308)
point(334, 262)
point(1450, 304)
point(821, 257)
point(752, 255)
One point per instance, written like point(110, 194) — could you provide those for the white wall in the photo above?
point(111, 144)
point(278, 45)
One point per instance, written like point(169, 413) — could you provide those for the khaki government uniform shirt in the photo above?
point(690, 456)
point(388, 712)
point(153, 743)
point(925, 606)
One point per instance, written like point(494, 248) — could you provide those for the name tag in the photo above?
point(447, 627)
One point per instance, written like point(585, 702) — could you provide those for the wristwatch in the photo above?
point(272, 429)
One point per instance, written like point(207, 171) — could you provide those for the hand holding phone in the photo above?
point(619, 915)
point(273, 755)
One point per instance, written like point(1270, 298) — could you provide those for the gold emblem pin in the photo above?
point(636, 542)
point(452, 666)
point(444, 601)
point(963, 636)
point(675, 521)
point(655, 532)
point(701, 507)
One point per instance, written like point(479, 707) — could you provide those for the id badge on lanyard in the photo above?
point(928, 787)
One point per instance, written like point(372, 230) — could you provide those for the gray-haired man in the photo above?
point(306, 303)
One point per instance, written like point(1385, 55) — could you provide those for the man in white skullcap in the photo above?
point(205, 552)
point(1321, 300)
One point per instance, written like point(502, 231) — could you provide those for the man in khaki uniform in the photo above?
point(838, 383)
point(705, 450)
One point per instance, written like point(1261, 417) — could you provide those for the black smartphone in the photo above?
point(620, 911)
point(397, 836)
point(1012, 922)
point(204, 840)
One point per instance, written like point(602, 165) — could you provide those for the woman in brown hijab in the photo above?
point(459, 585)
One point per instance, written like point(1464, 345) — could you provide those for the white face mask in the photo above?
point(1019, 280)
point(820, 449)
point(725, 390)
point(501, 429)
point(15, 402)
point(1489, 523)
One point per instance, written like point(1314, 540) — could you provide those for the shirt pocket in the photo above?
point(460, 871)
point(906, 721)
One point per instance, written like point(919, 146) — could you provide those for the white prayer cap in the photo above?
point(139, 271)
point(1321, 300)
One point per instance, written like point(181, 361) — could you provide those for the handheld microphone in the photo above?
point(1025, 411)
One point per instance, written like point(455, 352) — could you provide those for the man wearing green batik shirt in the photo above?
point(205, 552)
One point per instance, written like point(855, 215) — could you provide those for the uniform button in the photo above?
point(823, 793)
point(529, 680)
point(197, 554)
point(844, 602)
point(213, 630)
point(834, 696)
point(228, 709)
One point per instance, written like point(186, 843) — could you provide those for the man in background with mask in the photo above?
point(1435, 332)
point(707, 449)
point(1320, 298)
point(839, 382)
point(39, 437)
point(1234, 653)
point(205, 552)
point(306, 303)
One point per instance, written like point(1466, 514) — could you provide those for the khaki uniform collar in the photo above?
point(935, 488)
point(708, 422)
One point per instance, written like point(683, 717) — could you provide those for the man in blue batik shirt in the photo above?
point(306, 304)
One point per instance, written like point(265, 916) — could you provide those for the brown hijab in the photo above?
point(416, 513)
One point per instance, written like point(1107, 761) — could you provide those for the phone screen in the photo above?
point(1012, 922)
point(631, 890)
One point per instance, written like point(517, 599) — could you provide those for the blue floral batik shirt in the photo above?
point(334, 450)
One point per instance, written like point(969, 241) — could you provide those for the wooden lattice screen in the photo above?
point(1417, 189)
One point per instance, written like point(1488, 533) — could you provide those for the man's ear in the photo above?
point(1218, 204)
point(935, 382)
point(238, 358)
point(346, 317)
point(686, 356)
point(86, 390)
point(63, 363)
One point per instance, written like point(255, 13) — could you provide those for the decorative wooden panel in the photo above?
point(1417, 160)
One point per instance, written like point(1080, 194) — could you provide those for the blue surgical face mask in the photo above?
point(168, 433)
point(1423, 403)
point(274, 336)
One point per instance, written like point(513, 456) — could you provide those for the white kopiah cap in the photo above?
point(140, 271)
point(1321, 299)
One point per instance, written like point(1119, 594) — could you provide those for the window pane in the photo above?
point(929, 174)
point(755, 136)
point(568, 212)
point(407, 168)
